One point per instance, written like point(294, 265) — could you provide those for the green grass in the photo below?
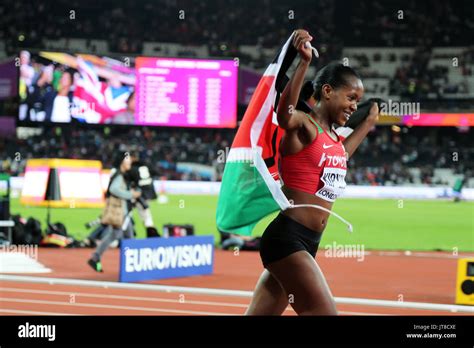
point(378, 224)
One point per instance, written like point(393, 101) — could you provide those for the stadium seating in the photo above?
point(388, 63)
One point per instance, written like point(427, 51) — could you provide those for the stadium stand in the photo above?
point(396, 66)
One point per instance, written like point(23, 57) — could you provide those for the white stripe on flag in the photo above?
point(258, 125)
point(241, 154)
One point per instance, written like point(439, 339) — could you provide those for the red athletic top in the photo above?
point(320, 168)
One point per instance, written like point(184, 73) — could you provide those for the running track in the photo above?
point(392, 276)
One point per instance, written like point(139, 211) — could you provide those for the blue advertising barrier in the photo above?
point(159, 258)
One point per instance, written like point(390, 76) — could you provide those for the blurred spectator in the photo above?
point(226, 24)
point(226, 28)
point(384, 158)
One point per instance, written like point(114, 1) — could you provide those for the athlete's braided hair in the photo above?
point(334, 74)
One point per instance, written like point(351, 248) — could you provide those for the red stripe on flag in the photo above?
point(242, 138)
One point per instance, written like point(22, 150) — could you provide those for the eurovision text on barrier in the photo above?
point(159, 258)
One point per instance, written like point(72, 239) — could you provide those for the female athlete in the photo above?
point(312, 169)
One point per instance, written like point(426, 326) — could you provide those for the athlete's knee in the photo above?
point(313, 301)
point(268, 297)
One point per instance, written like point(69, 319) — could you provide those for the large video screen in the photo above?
point(186, 92)
point(57, 87)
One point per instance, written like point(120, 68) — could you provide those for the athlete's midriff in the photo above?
point(314, 175)
point(314, 219)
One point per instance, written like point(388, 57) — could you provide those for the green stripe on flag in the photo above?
point(244, 199)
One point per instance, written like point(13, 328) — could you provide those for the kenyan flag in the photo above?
point(251, 186)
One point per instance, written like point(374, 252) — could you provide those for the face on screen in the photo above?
point(102, 90)
point(97, 88)
point(66, 80)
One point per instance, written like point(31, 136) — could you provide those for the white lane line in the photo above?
point(408, 253)
point(224, 292)
point(404, 305)
point(122, 297)
point(156, 299)
point(95, 305)
point(137, 298)
point(18, 311)
point(132, 286)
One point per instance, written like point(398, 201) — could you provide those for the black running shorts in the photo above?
point(284, 236)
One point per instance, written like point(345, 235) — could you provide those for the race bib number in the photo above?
point(334, 183)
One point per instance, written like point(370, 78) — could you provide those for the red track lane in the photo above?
point(428, 277)
point(81, 300)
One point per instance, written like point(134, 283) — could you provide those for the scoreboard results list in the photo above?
point(186, 92)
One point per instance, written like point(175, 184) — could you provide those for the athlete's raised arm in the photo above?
point(352, 142)
point(287, 115)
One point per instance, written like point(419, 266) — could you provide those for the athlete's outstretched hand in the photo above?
point(299, 39)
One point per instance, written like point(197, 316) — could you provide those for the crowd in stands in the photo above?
point(239, 22)
point(384, 158)
point(395, 23)
point(161, 148)
point(417, 81)
point(224, 26)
